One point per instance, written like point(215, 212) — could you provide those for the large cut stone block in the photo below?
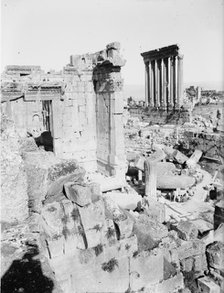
point(215, 255)
point(155, 210)
point(92, 215)
point(146, 268)
point(79, 194)
point(190, 248)
point(207, 285)
point(187, 230)
point(148, 233)
point(174, 284)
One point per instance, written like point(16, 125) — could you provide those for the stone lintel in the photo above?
point(160, 53)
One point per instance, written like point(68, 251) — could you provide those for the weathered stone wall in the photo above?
point(74, 120)
point(14, 198)
point(86, 105)
point(109, 118)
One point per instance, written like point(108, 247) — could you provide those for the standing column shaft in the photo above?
point(151, 103)
point(150, 178)
point(164, 79)
point(163, 85)
point(146, 83)
point(180, 82)
point(156, 84)
point(174, 82)
point(168, 82)
point(151, 72)
point(171, 83)
point(159, 82)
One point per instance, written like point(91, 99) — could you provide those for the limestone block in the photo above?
point(92, 215)
point(148, 233)
point(109, 233)
point(14, 197)
point(127, 246)
point(95, 278)
point(215, 255)
point(180, 157)
point(190, 248)
point(174, 181)
point(193, 160)
point(52, 215)
point(155, 210)
point(93, 237)
point(200, 263)
point(56, 247)
point(79, 194)
point(207, 285)
point(187, 264)
point(127, 201)
point(146, 268)
point(125, 226)
point(202, 225)
point(174, 284)
point(219, 214)
point(187, 230)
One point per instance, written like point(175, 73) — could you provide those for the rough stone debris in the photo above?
point(71, 216)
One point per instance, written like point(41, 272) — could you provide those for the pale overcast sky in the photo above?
point(47, 32)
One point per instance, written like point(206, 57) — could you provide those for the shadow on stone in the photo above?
point(25, 275)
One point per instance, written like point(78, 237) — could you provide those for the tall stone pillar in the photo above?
point(151, 98)
point(163, 84)
point(180, 81)
point(147, 102)
point(160, 83)
point(171, 102)
point(108, 85)
point(174, 82)
point(167, 83)
point(156, 84)
point(150, 178)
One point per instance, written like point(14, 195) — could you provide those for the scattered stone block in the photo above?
point(92, 215)
point(155, 210)
point(174, 284)
point(219, 214)
point(180, 157)
point(190, 248)
point(193, 160)
point(202, 225)
point(148, 233)
point(187, 230)
point(200, 263)
point(187, 264)
point(146, 268)
point(215, 255)
point(79, 194)
point(207, 285)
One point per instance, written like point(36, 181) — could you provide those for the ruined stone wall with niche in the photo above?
point(86, 111)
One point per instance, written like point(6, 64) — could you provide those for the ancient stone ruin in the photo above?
point(92, 202)
point(164, 78)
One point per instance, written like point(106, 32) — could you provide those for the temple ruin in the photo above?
point(95, 203)
point(81, 107)
point(164, 78)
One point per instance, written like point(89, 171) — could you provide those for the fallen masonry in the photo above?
point(79, 217)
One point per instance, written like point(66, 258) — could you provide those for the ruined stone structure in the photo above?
point(164, 78)
point(81, 107)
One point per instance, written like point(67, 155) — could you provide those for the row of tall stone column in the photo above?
point(164, 83)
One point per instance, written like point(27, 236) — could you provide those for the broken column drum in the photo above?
point(164, 78)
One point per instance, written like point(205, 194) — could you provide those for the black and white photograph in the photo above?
point(112, 146)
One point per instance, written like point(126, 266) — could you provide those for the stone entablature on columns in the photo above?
point(164, 78)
